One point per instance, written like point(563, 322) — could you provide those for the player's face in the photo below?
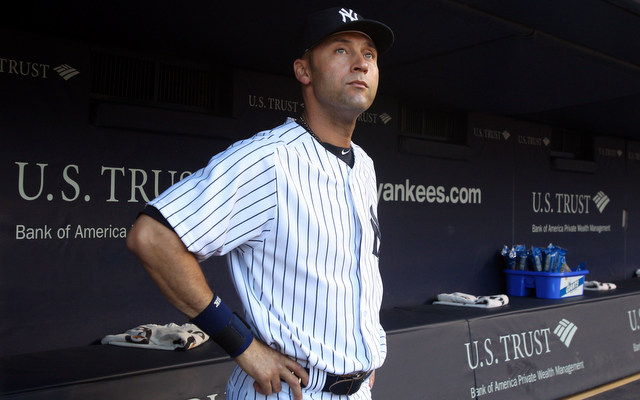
point(344, 72)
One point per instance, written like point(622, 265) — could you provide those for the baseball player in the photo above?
point(294, 209)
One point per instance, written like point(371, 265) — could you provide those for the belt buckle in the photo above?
point(348, 384)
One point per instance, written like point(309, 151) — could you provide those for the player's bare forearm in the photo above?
point(172, 267)
point(269, 368)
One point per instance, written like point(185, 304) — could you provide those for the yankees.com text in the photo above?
point(408, 192)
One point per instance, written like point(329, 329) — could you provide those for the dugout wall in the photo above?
point(84, 148)
point(79, 164)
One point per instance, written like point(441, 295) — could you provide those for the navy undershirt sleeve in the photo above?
point(157, 215)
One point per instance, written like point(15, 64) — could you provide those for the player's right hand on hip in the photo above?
point(269, 369)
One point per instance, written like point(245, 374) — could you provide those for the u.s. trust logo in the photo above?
point(565, 331)
point(33, 69)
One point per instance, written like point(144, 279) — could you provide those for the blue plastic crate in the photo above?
point(546, 285)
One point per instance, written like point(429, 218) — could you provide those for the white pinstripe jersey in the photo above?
point(299, 228)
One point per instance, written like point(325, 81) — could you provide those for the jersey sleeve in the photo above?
point(225, 204)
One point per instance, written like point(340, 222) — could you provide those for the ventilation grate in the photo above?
point(185, 86)
point(570, 144)
point(436, 125)
point(122, 77)
point(137, 80)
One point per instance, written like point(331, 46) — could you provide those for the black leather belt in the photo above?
point(345, 384)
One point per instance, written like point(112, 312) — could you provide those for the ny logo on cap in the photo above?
point(348, 14)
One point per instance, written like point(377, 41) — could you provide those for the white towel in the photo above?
point(595, 285)
point(161, 337)
point(469, 300)
point(457, 297)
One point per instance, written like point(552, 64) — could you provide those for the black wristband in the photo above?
point(235, 337)
point(224, 327)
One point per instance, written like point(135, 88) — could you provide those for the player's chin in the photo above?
point(362, 106)
point(360, 101)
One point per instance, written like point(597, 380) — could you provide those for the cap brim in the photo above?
point(380, 33)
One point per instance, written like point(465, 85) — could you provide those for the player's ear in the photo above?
point(301, 70)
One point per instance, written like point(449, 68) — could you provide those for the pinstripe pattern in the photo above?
point(298, 227)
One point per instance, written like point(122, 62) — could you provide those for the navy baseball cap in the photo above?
point(322, 24)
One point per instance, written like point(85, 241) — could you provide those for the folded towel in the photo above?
point(457, 297)
point(161, 337)
point(469, 300)
point(595, 285)
point(497, 300)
